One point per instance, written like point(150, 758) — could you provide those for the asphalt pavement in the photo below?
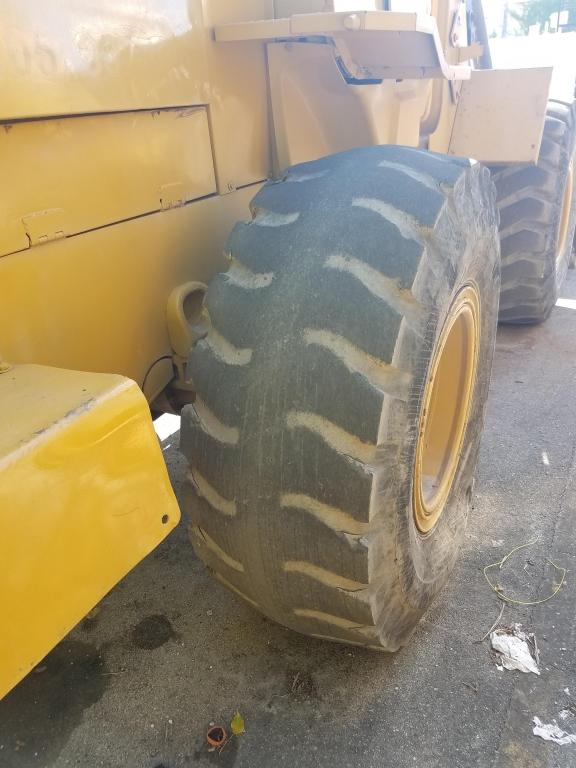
point(169, 651)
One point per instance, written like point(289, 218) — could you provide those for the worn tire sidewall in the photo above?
point(566, 258)
point(469, 240)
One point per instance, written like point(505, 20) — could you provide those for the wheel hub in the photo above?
point(445, 408)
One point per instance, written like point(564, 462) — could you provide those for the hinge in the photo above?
point(172, 195)
point(459, 30)
point(43, 226)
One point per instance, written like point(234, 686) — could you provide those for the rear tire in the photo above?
point(537, 222)
point(302, 444)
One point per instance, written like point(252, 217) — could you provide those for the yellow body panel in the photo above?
point(84, 495)
point(509, 103)
point(80, 56)
point(97, 301)
point(93, 171)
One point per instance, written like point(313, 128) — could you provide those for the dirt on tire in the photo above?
point(301, 443)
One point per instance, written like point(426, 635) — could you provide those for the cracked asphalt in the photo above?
point(168, 651)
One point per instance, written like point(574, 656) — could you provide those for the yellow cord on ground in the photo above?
point(512, 600)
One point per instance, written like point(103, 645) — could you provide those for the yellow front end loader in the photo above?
point(263, 215)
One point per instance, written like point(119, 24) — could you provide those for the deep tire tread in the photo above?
point(530, 202)
point(302, 536)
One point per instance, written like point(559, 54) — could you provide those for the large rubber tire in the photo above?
point(531, 200)
point(301, 443)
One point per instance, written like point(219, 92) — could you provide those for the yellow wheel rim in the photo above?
point(446, 408)
point(566, 210)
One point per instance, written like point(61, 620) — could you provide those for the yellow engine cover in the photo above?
point(84, 495)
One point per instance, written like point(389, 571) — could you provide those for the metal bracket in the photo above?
point(44, 226)
point(372, 45)
point(172, 195)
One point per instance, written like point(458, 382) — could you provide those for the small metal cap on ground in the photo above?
point(216, 736)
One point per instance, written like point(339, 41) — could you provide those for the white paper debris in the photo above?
point(513, 649)
point(552, 732)
point(565, 714)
